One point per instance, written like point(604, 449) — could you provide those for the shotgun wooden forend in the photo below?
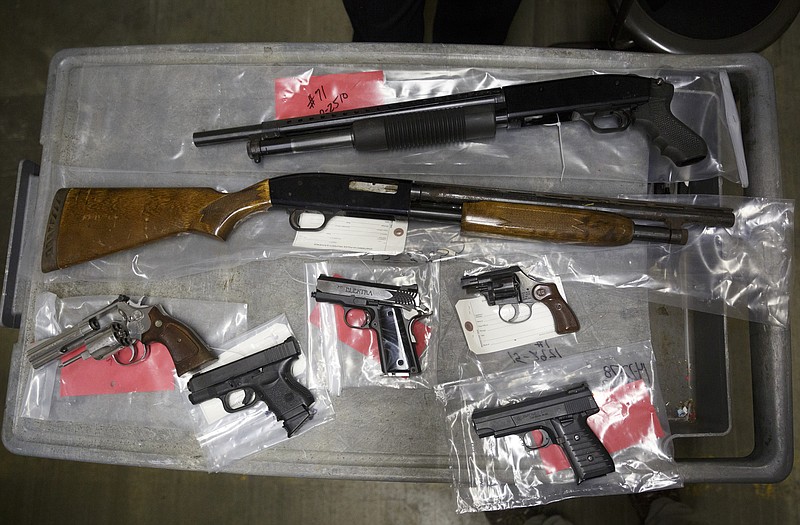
point(89, 223)
point(546, 223)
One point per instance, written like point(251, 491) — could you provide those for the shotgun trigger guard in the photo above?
point(295, 216)
point(610, 121)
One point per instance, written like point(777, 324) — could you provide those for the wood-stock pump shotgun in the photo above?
point(82, 225)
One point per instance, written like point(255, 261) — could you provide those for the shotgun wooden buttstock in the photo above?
point(89, 223)
point(546, 223)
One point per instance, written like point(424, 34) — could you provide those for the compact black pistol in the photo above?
point(561, 418)
point(265, 375)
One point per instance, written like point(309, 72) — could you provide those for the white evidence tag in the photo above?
point(486, 332)
point(356, 234)
point(250, 343)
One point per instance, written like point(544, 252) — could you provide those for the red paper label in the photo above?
point(365, 341)
point(627, 417)
point(89, 377)
point(310, 95)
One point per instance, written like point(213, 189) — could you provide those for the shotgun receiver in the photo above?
point(476, 115)
point(83, 223)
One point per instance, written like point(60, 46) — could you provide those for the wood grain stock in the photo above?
point(546, 223)
point(89, 223)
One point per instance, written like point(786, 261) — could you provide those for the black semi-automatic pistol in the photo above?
point(561, 417)
point(265, 375)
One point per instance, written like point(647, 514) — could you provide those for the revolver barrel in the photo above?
point(62, 344)
point(88, 331)
point(98, 343)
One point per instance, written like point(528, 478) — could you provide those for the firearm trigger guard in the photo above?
point(240, 399)
point(514, 316)
point(136, 356)
point(623, 118)
point(296, 215)
point(529, 439)
point(366, 323)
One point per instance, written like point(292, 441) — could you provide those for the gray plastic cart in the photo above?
point(388, 434)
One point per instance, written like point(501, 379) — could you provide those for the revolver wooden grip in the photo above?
point(187, 349)
point(563, 316)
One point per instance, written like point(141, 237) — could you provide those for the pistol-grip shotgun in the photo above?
point(187, 349)
point(673, 138)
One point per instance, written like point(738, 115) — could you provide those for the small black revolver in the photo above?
point(511, 287)
point(265, 375)
point(561, 418)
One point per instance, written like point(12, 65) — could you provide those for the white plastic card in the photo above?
point(486, 332)
point(343, 233)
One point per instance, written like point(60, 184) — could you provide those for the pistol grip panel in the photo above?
point(563, 316)
point(187, 349)
point(398, 354)
point(286, 397)
point(585, 453)
point(673, 138)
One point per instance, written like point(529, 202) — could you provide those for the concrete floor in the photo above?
point(34, 490)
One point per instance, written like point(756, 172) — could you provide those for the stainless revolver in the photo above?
point(119, 326)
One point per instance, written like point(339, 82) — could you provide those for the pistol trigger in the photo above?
point(249, 398)
point(358, 323)
point(535, 439)
point(240, 399)
point(508, 312)
point(410, 328)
